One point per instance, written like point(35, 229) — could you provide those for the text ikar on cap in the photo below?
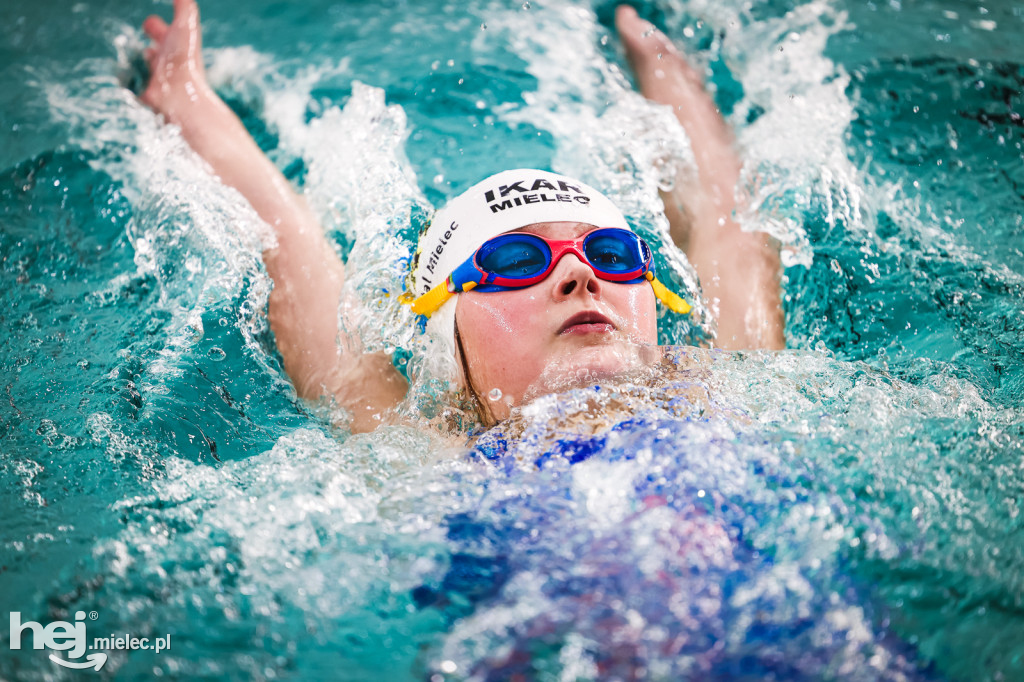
point(533, 195)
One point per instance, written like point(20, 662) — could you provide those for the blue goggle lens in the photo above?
point(613, 254)
point(514, 256)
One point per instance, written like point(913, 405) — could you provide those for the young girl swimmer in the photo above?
point(528, 276)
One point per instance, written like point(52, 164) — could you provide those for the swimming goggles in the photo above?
point(516, 260)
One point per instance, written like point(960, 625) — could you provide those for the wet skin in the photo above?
point(570, 328)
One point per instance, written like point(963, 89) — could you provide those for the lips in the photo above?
point(587, 322)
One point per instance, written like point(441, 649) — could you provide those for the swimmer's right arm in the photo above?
point(307, 273)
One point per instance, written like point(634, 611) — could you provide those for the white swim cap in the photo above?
point(503, 202)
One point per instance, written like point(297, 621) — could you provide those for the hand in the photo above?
point(177, 77)
point(653, 56)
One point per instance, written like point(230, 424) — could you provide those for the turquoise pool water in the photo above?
point(847, 509)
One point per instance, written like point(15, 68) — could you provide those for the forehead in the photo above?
point(559, 230)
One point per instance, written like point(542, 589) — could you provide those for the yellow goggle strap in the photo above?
point(430, 302)
point(675, 302)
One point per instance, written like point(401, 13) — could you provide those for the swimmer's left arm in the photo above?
point(738, 270)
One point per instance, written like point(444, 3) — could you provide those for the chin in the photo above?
point(586, 366)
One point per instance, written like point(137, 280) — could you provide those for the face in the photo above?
point(569, 329)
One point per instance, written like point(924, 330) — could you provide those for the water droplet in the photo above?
point(526, 5)
point(83, 364)
point(483, 27)
point(216, 354)
point(494, 395)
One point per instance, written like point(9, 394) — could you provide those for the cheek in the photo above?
point(501, 335)
point(488, 318)
point(641, 311)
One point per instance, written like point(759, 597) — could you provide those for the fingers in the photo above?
point(631, 25)
point(186, 22)
point(649, 51)
point(155, 28)
point(186, 11)
point(627, 21)
point(625, 13)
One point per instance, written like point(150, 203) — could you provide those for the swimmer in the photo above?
point(552, 283)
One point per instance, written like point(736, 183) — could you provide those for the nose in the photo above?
point(572, 276)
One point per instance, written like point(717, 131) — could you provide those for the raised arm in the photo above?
point(307, 273)
point(739, 271)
